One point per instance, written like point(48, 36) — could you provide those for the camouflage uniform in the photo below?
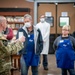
point(5, 52)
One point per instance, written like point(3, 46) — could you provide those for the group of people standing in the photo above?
point(29, 44)
point(34, 42)
point(37, 44)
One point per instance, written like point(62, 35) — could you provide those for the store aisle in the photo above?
point(53, 70)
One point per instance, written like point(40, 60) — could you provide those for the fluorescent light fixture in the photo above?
point(56, 3)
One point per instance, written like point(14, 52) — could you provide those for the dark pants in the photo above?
point(71, 71)
point(45, 60)
point(34, 70)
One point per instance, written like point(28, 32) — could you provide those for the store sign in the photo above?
point(64, 13)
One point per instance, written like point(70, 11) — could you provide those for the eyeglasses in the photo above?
point(65, 30)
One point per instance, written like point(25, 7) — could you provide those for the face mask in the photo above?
point(42, 20)
point(27, 24)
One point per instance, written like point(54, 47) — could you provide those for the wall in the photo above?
point(42, 8)
point(56, 13)
point(17, 4)
point(71, 13)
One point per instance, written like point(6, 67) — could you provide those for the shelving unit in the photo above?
point(15, 23)
point(14, 17)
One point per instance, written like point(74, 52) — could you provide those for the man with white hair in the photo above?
point(32, 46)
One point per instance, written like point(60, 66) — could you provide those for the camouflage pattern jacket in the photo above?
point(5, 52)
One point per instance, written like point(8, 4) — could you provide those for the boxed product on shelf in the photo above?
point(10, 19)
point(17, 25)
point(18, 19)
point(9, 26)
point(13, 26)
point(21, 25)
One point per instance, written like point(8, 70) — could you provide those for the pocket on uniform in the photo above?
point(37, 57)
point(36, 60)
point(59, 59)
point(58, 56)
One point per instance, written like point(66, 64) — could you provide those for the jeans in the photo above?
point(24, 68)
point(71, 71)
point(45, 60)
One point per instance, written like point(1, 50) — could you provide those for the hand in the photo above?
point(22, 39)
point(5, 36)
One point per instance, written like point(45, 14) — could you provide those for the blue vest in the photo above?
point(31, 59)
point(65, 55)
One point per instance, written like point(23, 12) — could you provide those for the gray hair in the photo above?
point(27, 16)
point(66, 27)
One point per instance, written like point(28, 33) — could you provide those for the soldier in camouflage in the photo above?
point(7, 48)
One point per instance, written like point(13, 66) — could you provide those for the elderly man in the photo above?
point(6, 49)
point(32, 46)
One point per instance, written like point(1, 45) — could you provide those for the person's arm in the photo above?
point(56, 42)
point(40, 40)
point(12, 47)
point(54, 45)
point(17, 45)
point(21, 31)
point(73, 41)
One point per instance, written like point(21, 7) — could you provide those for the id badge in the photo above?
point(28, 35)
